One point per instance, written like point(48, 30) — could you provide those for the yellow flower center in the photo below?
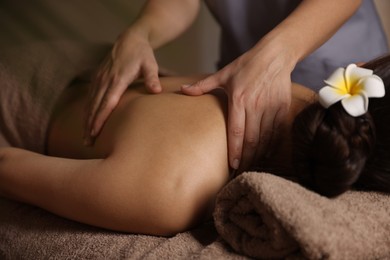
point(352, 87)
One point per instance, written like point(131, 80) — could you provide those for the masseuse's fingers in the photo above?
point(202, 86)
point(258, 101)
point(111, 90)
point(108, 103)
point(130, 58)
point(115, 91)
point(236, 131)
point(266, 129)
point(251, 139)
point(106, 85)
point(150, 74)
point(97, 90)
point(236, 114)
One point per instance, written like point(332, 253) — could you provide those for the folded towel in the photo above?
point(265, 216)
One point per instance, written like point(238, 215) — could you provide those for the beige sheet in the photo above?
point(28, 232)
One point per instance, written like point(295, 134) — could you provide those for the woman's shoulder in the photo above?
point(302, 94)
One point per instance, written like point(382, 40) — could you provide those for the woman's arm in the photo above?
point(109, 193)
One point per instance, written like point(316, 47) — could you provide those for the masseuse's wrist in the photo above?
point(286, 45)
point(138, 32)
point(146, 30)
point(277, 53)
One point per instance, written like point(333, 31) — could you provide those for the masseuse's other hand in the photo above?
point(258, 87)
point(130, 58)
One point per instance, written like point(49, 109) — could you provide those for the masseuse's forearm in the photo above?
point(311, 24)
point(163, 20)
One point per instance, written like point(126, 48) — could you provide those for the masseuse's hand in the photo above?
point(130, 58)
point(258, 87)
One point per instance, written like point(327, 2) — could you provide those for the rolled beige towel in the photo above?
point(265, 216)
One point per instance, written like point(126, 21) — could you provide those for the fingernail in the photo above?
point(154, 86)
point(186, 85)
point(236, 163)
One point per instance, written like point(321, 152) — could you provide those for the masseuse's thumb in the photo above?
point(201, 87)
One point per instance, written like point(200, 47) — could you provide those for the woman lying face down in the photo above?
point(155, 168)
point(160, 160)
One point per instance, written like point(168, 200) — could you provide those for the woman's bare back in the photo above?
point(155, 168)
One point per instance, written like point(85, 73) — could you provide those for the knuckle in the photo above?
point(238, 98)
point(235, 153)
point(251, 142)
point(151, 64)
point(115, 80)
point(200, 83)
point(237, 131)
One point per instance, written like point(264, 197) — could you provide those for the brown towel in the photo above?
point(265, 216)
point(33, 75)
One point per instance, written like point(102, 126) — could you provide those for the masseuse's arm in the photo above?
point(132, 56)
point(258, 83)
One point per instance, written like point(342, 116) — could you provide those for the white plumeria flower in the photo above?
point(353, 86)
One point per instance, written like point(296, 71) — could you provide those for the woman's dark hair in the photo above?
point(334, 152)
